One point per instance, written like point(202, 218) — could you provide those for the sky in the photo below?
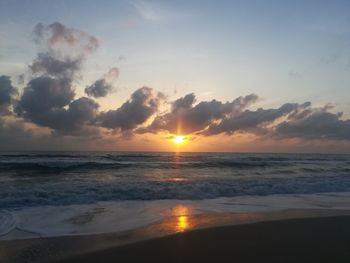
point(131, 75)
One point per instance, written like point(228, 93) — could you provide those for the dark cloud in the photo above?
point(103, 86)
point(185, 102)
point(186, 118)
point(100, 88)
point(7, 95)
point(315, 124)
point(77, 119)
point(291, 120)
point(47, 64)
point(56, 36)
point(49, 99)
point(62, 50)
point(45, 93)
point(143, 103)
point(49, 102)
point(253, 120)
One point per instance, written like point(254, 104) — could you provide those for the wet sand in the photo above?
point(280, 236)
point(295, 240)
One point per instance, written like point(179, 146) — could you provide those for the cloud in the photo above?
point(45, 93)
point(185, 102)
point(103, 86)
point(56, 37)
point(146, 10)
point(62, 49)
point(291, 120)
point(7, 95)
point(100, 88)
point(156, 11)
point(78, 118)
point(253, 121)
point(185, 118)
point(48, 99)
point(315, 124)
point(47, 64)
point(49, 102)
point(143, 103)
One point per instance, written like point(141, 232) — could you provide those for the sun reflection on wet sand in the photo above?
point(182, 218)
point(181, 210)
point(182, 223)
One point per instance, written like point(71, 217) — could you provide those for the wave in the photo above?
point(59, 166)
point(36, 155)
point(7, 222)
point(78, 192)
point(96, 165)
point(31, 179)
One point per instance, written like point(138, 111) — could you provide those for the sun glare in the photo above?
point(179, 139)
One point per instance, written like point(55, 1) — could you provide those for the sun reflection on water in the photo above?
point(179, 179)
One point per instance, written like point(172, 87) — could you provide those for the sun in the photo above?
point(178, 139)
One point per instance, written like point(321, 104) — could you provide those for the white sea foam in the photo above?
point(8, 222)
point(106, 217)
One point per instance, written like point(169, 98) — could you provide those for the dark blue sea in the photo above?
point(63, 178)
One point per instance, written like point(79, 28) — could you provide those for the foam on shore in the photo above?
point(113, 217)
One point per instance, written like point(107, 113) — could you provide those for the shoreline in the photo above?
point(120, 216)
point(71, 247)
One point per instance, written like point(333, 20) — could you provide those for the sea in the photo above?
point(41, 187)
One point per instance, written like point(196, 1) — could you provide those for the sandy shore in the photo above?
point(293, 240)
point(284, 236)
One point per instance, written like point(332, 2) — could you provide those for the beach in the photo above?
point(280, 236)
point(299, 240)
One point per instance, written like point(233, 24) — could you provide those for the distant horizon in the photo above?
point(174, 152)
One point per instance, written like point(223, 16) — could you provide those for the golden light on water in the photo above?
point(179, 179)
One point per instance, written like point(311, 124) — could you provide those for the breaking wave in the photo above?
point(34, 179)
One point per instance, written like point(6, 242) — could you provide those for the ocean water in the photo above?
point(35, 179)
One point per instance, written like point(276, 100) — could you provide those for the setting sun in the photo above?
point(179, 139)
